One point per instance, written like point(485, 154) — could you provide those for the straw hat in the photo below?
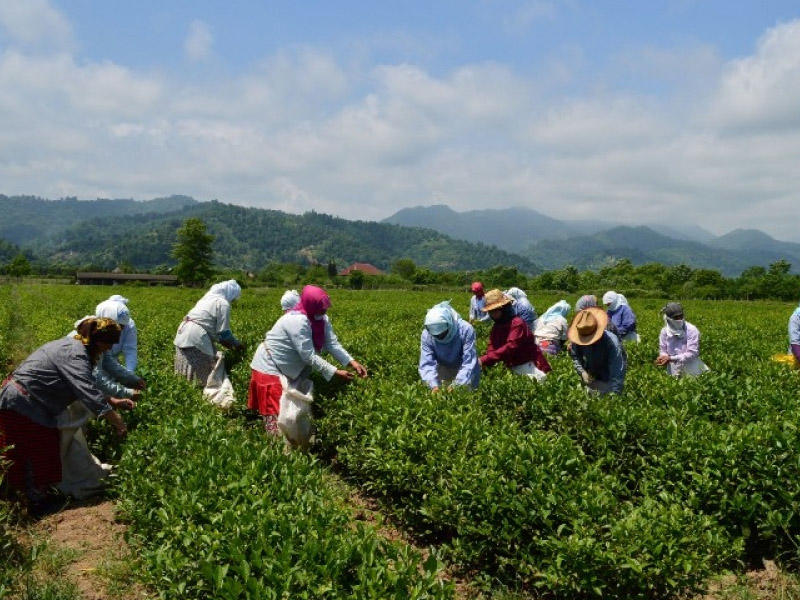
point(495, 299)
point(588, 326)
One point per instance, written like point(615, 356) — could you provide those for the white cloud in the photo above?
point(302, 129)
point(199, 41)
point(35, 23)
point(762, 90)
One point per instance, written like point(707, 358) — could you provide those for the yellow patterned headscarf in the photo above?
point(98, 329)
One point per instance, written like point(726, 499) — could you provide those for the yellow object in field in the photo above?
point(786, 359)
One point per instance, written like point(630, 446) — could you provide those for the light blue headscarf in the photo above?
point(559, 309)
point(442, 317)
point(515, 293)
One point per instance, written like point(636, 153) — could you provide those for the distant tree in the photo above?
point(404, 267)
point(356, 279)
point(193, 252)
point(332, 272)
point(19, 266)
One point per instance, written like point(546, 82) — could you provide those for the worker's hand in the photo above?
point(116, 422)
point(587, 379)
point(123, 403)
point(360, 369)
point(346, 375)
point(662, 360)
point(141, 384)
point(435, 390)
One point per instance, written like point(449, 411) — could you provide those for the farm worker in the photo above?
point(289, 300)
point(447, 349)
point(794, 334)
point(477, 302)
point(116, 307)
point(39, 389)
point(82, 474)
point(522, 306)
point(621, 315)
point(511, 341)
point(679, 344)
point(589, 300)
point(551, 328)
point(208, 322)
point(597, 354)
point(112, 378)
point(291, 349)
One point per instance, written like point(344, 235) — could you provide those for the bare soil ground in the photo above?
point(100, 562)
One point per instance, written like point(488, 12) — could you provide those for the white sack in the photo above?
point(294, 419)
point(82, 474)
point(219, 389)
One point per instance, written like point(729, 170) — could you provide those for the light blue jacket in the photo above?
point(459, 352)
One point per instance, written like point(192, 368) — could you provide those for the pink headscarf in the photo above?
point(477, 289)
point(314, 301)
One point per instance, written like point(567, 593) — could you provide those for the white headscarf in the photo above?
point(515, 293)
point(113, 309)
point(290, 299)
point(118, 298)
point(230, 290)
point(611, 300)
point(675, 327)
point(442, 317)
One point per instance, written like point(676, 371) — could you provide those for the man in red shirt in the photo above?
point(511, 341)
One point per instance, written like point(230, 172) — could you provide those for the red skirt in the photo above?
point(264, 394)
point(35, 457)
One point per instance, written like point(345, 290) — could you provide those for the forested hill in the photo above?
point(251, 238)
point(29, 219)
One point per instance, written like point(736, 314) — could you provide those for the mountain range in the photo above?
point(106, 233)
point(553, 243)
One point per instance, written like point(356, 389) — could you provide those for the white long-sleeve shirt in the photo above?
point(291, 349)
point(204, 323)
point(127, 346)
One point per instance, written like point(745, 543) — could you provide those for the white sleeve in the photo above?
point(333, 346)
point(222, 311)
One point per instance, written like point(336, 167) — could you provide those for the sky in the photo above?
point(672, 111)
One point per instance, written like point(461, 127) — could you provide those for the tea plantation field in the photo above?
point(522, 489)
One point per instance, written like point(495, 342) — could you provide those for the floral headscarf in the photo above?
point(97, 329)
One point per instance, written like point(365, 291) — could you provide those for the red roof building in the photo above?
point(365, 268)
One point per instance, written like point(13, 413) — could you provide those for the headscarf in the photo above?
point(442, 317)
point(477, 289)
point(230, 290)
point(515, 293)
point(118, 298)
point(314, 301)
point(91, 329)
point(675, 327)
point(114, 309)
point(289, 300)
point(586, 301)
point(614, 300)
point(559, 309)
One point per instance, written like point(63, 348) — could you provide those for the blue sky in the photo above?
point(634, 111)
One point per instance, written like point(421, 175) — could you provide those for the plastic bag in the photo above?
point(294, 419)
point(219, 389)
point(786, 359)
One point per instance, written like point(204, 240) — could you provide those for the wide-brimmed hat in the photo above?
point(495, 299)
point(588, 326)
